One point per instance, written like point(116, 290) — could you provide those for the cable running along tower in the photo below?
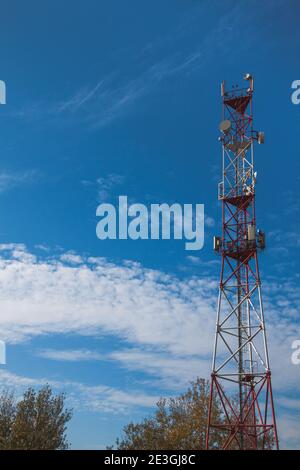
point(241, 376)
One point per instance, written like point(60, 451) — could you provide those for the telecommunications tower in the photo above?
point(241, 376)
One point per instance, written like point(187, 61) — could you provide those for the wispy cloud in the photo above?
point(285, 238)
point(289, 430)
point(80, 99)
point(10, 180)
point(199, 262)
point(107, 183)
point(114, 95)
point(290, 403)
point(209, 221)
point(104, 185)
point(170, 371)
point(69, 355)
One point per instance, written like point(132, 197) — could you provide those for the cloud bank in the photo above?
point(167, 321)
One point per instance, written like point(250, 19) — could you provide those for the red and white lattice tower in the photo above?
point(241, 376)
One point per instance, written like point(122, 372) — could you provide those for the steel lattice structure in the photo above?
point(241, 376)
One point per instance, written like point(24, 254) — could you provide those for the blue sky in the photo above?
point(110, 98)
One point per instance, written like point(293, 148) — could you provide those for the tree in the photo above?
point(37, 421)
point(178, 423)
point(7, 417)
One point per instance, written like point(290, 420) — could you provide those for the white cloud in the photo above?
point(97, 398)
point(42, 247)
point(108, 399)
point(147, 308)
point(196, 260)
point(171, 371)
point(71, 258)
point(141, 305)
point(71, 355)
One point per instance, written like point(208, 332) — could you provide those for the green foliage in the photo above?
point(37, 421)
point(178, 423)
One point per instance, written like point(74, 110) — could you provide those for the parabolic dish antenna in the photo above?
point(225, 126)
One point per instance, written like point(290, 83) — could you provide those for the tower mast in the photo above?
point(241, 375)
